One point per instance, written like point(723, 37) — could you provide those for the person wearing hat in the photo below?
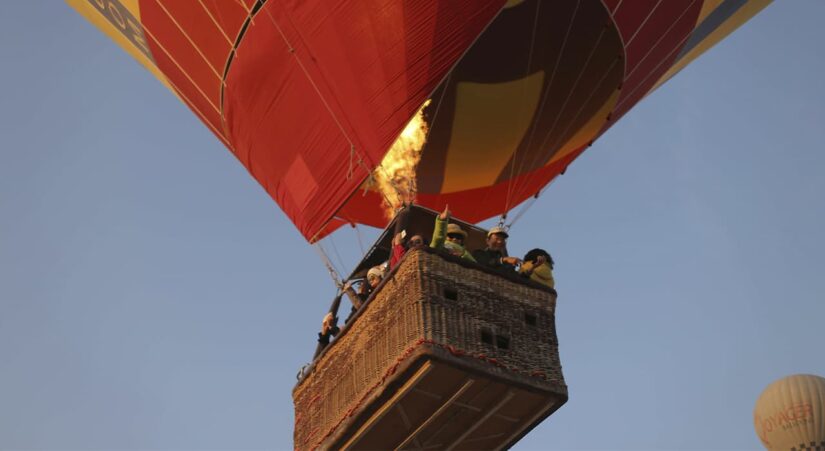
point(449, 237)
point(374, 277)
point(495, 254)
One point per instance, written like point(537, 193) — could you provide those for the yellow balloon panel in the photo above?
point(720, 32)
point(120, 20)
point(484, 139)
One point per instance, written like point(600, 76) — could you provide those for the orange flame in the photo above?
point(395, 177)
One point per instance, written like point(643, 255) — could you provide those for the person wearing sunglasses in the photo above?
point(449, 237)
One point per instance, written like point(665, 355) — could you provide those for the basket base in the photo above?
point(439, 401)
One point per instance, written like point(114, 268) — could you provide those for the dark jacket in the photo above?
point(492, 259)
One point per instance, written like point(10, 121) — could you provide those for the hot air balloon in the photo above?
point(790, 413)
point(310, 96)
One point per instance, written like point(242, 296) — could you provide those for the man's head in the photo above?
point(497, 238)
point(455, 234)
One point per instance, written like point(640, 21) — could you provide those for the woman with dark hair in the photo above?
point(400, 243)
point(538, 267)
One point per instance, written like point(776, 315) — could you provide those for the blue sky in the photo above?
point(152, 296)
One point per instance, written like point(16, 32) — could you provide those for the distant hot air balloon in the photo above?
point(309, 95)
point(790, 414)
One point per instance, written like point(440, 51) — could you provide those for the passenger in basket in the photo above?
point(374, 277)
point(495, 254)
point(328, 329)
point(400, 245)
point(538, 266)
point(358, 298)
point(449, 237)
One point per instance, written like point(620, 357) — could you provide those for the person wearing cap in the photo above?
point(495, 254)
point(449, 237)
point(374, 277)
point(538, 267)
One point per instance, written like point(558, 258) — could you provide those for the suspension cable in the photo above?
point(335, 251)
point(309, 78)
point(529, 203)
point(523, 102)
point(623, 100)
point(549, 84)
point(336, 278)
point(360, 239)
point(558, 140)
point(354, 154)
point(430, 127)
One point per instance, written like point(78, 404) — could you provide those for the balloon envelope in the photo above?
point(790, 413)
point(309, 95)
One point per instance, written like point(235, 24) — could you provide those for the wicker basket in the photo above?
point(459, 323)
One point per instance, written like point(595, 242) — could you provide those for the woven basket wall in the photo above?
point(505, 327)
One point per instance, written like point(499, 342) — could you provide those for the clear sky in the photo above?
point(153, 296)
